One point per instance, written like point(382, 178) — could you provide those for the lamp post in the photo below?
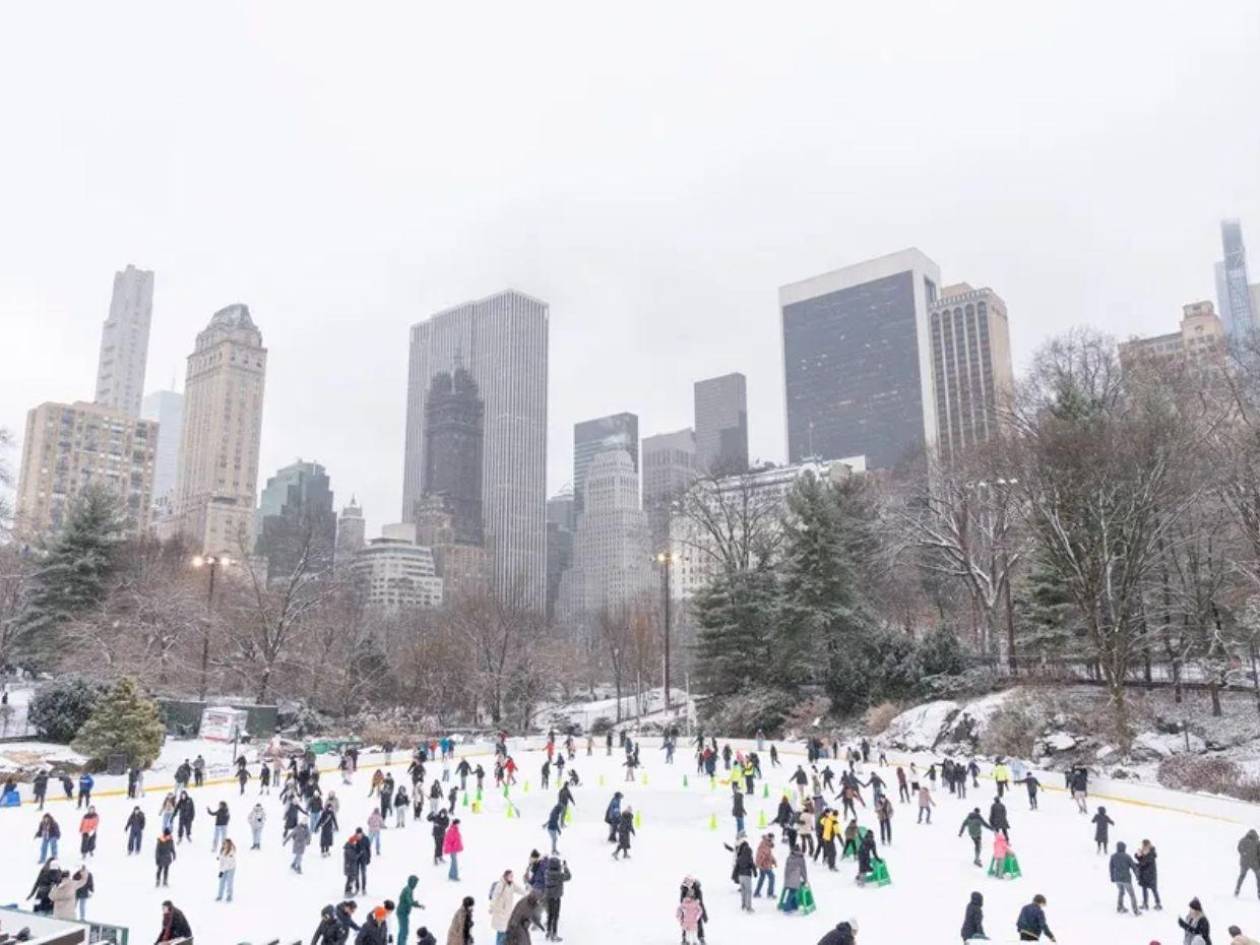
point(213, 562)
point(666, 559)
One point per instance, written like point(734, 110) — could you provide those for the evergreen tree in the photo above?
point(822, 622)
point(1049, 623)
point(73, 579)
point(61, 707)
point(126, 722)
point(735, 614)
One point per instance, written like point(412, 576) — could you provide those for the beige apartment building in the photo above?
point(69, 446)
point(972, 376)
point(217, 486)
point(1201, 339)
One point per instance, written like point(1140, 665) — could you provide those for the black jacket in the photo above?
point(1200, 926)
point(557, 875)
point(997, 816)
point(165, 851)
point(373, 932)
point(1101, 823)
point(842, 934)
point(973, 919)
point(135, 821)
point(221, 815)
point(744, 864)
point(1148, 872)
point(330, 932)
point(737, 805)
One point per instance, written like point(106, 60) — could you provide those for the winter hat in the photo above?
point(1235, 930)
point(379, 913)
point(1196, 905)
point(469, 902)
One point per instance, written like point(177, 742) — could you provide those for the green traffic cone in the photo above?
point(465, 798)
point(506, 792)
point(684, 780)
point(638, 819)
point(526, 787)
point(713, 821)
point(761, 820)
point(765, 791)
point(568, 815)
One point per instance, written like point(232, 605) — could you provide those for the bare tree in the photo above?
point(1103, 478)
point(731, 522)
point(265, 616)
point(963, 517)
point(500, 630)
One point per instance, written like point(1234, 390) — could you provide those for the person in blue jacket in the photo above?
point(1031, 923)
point(85, 790)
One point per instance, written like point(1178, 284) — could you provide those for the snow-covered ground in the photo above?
point(609, 903)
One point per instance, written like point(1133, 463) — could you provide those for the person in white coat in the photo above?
point(503, 895)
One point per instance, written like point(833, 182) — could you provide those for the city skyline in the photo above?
point(658, 240)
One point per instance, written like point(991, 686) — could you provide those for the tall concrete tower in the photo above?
point(502, 343)
point(218, 455)
point(125, 342)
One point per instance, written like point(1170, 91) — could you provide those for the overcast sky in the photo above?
point(654, 174)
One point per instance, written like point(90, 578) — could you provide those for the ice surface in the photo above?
point(610, 903)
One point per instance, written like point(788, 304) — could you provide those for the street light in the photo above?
point(666, 558)
point(213, 562)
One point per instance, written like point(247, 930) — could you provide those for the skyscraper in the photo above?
point(69, 446)
point(454, 429)
point(218, 454)
point(167, 408)
point(857, 361)
point(560, 525)
point(125, 342)
point(669, 467)
point(296, 524)
point(612, 564)
point(971, 365)
point(351, 529)
point(502, 343)
point(722, 424)
point(1234, 295)
point(619, 431)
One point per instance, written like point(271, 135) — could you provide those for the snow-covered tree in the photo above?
point(125, 722)
point(73, 579)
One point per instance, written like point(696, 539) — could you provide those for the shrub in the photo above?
point(125, 722)
point(741, 715)
point(1012, 730)
point(879, 717)
point(602, 725)
point(941, 653)
point(1208, 775)
point(61, 707)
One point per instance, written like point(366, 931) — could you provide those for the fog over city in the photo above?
point(655, 172)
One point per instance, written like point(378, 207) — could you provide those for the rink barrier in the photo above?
point(231, 779)
point(1107, 790)
point(1245, 814)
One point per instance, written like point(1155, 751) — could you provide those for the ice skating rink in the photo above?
point(633, 902)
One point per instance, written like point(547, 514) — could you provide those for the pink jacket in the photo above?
point(1000, 847)
point(453, 843)
point(689, 913)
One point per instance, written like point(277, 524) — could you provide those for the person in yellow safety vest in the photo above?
point(1002, 777)
point(830, 825)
